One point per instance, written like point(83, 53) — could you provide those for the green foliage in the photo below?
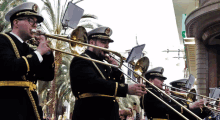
point(52, 25)
point(5, 7)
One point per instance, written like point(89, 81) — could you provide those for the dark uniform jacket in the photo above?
point(14, 101)
point(156, 109)
point(85, 78)
point(201, 113)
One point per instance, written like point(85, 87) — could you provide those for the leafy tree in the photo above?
point(5, 6)
point(59, 88)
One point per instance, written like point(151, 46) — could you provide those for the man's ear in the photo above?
point(15, 23)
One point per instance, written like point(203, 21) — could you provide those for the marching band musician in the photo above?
point(217, 103)
point(154, 108)
point(181, 84)
point(214, 115)
point(21, 66)
point(95, 85)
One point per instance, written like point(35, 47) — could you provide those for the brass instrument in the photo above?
point(82, 36)
point(183, 95)
point(203, 96)
point(79, 34)
point(169, 98)
point(189, 98)
point(143, 68)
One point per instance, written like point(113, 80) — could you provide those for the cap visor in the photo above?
point(40, 19)
point(110, 40)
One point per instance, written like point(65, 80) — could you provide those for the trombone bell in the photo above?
point(79, 34)
point(183, 95)
point(141, 66)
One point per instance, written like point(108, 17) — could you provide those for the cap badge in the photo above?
point(181, 84)
point(35, 8)
point(162, 70)
point(107, 31)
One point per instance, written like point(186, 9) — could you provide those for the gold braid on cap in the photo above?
point(26, 13)
point(156, 74)
point(101, 36)
point(181, 83)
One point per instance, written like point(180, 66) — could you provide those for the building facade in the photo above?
point(203, 24)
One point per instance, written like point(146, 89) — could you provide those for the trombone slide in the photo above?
point(74, 41)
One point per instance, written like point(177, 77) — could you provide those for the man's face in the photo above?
point(25, 25)
point(100, 43)
point(158, 82)
point(121, 114)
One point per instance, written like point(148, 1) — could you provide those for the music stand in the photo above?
point(135, 53)
point(72, 16)
point(215, 94)
point(190, 81)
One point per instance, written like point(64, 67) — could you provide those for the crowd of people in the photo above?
point(94, 85)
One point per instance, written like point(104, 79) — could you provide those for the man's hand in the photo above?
point(135, 107)
point(136, 89)
point(197, 104)
point(43, 44)
point(167, 91)
point(110, 60)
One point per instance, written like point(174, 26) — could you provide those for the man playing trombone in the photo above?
point(21, 66)
point(95, 85)
point(156, 109)
point(188, 98)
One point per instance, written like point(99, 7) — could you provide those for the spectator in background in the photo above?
point(124, 114)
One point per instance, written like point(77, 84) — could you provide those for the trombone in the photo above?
point(189, 100)
point(203, 96)
point(142, 66)
point(184, 99)
point(78, 34)
point(169, 97)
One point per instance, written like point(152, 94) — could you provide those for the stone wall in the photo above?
point(202, 67)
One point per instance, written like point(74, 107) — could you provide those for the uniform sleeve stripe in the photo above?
point(28, 68)
point(116, 88)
